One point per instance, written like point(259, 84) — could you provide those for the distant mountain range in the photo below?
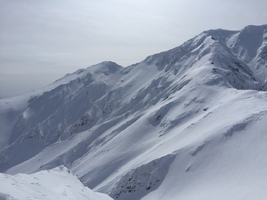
point(189, 123)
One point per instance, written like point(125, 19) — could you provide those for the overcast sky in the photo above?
point(42, 40)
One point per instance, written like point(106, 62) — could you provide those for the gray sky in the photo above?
point(42, 40)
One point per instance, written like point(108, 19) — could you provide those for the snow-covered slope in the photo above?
point(57, 183)
point(189, 119)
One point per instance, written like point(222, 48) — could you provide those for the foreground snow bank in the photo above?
point(58, 183)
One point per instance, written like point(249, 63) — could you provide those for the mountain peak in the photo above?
point(105, 67)
point(252, 29)
point(168, 123)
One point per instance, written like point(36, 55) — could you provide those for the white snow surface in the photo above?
point(188, 123)
point(57, 183)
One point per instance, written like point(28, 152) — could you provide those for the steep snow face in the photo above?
point(56, 114)
point(246, 43)
point(57, 183)
point(250, 46)
point(228, 166)
point(247, 47)
point(156, 128)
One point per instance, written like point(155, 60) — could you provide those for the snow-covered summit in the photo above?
point(180, 120)
point(247, 46)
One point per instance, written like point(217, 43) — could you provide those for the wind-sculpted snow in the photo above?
point(181, 120)
point(57, 183)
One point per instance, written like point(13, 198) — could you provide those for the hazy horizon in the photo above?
point(41, 41)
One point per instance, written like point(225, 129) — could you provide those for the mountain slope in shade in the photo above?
point(188, 119)
point(57, 183)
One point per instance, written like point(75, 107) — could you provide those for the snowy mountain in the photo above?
point(57, 183)
point(188, 123)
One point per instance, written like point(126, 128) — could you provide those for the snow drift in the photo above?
point(57, 183)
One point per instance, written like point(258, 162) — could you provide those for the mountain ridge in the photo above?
point(114, 126)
